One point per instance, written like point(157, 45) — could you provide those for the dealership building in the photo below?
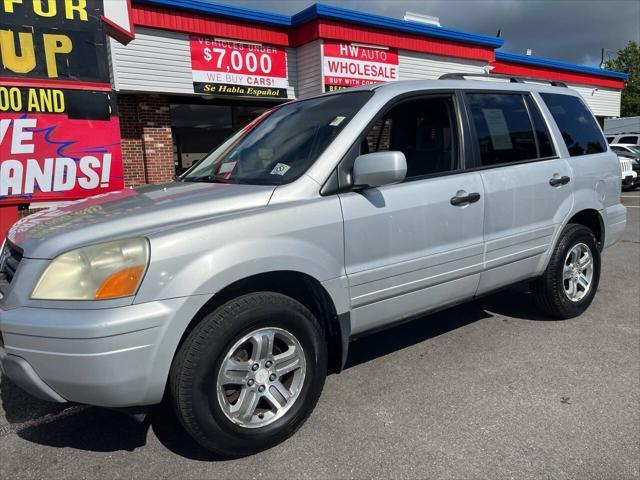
point(182, 75)
point(197, 71)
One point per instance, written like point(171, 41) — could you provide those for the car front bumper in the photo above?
point(115, 357)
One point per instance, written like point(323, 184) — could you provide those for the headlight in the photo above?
point(96, 272)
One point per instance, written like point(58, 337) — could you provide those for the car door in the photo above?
point(528, 191)
point(416, 245)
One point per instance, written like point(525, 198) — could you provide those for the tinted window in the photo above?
point(619, 149)
point(542, 134)
point(632, 140)
point(424, 130)
point(610, 139)
point(580, 132)
point(280, 145)
point(503, 128)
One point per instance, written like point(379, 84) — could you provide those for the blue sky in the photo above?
point(569, 30)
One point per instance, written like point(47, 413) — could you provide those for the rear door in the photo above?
point(416, 245)
point(527, 187)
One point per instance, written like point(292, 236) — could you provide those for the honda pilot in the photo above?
point(232, 291)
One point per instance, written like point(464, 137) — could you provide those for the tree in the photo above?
point(628, 61)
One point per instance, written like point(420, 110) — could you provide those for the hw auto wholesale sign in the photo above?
point(350, 65)
point(227, 67)
point(59, 130)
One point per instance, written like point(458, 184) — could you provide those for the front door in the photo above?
point(417, 245)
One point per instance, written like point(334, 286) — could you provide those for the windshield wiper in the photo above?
point(208, 179)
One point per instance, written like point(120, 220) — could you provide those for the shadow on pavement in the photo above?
point(170, 433)
point(514, 302)
point(68, 425)
point(103, 430)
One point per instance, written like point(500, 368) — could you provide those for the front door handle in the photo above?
point(556, 181)
point(461, 199)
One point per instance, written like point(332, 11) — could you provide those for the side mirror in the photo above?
point(378, 169)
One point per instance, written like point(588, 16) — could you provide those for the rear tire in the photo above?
point(569, 283)
point(249, 374)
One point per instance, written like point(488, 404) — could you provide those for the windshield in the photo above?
point(280, 145)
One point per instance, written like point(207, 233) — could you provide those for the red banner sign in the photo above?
point(225, 67)
point(49, 157)
point(350, 65)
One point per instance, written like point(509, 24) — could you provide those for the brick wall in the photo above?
point(147, 145)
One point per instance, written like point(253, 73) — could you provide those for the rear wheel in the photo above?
point(247, 377)
point(568, 285)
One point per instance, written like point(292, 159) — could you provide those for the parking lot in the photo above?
point(491, 389)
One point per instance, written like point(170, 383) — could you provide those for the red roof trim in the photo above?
point(551, 74)
point(183, 21)
point(406, 41)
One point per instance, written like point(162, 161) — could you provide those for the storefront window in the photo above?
point(199, 128)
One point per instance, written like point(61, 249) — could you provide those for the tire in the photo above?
point(203, 397)
point(553, 292)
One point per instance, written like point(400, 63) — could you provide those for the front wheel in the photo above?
point(569, 283)
point(250, 373)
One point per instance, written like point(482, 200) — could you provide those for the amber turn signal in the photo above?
point(121, 284)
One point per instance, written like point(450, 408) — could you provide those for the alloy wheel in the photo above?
point(577, 273)
point(261, 377)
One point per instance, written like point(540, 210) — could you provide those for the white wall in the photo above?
point(160, 61)
point(419, 66)
point(603, 101)
point(309, 81)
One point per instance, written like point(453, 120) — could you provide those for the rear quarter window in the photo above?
point(580, 132)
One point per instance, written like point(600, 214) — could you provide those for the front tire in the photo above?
point(249, 374)
point(569, 283)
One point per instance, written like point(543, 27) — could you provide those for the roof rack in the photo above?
point(511, 78)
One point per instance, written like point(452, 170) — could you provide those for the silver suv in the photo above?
point(233, 290)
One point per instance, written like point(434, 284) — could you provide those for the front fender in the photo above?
point(207, 257)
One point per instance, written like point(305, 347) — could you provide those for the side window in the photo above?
point(618, 149)
point(379, 137)
point(424, 130)
point(632, 140)
point(610, 139)
point(503, 128)
point(542, 134)
point(580, 132)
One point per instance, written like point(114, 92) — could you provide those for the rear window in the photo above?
point(580, 132)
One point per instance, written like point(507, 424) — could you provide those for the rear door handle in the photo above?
point(555, 181)
point(461, 200)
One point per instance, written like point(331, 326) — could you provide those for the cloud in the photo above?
point(568, 30)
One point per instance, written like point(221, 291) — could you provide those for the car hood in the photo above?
point(129, 213)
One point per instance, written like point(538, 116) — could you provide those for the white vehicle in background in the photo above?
point(623, 130)
point(629, 176)
point(626, 150)
point(629, 156)
point(624, 139)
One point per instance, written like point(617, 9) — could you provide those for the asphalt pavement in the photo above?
point(491, 389)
